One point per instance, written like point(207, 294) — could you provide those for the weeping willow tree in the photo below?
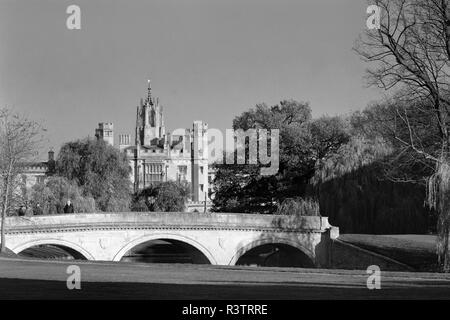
point(298, 206)
point(354, 192)
point(438, 197)
point(410, 54)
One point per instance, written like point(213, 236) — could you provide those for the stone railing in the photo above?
point(167, 220)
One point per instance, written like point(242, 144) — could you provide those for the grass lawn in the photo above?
point(38, 279)
point(417, 251)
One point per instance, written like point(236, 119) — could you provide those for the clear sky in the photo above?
point(208, 60)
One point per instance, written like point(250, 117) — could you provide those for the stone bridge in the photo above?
point(216, 237)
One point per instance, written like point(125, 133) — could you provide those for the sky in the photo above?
point(208, 60)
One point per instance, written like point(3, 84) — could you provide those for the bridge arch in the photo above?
point(265, 241)
point(169, 236)
point(56, 242)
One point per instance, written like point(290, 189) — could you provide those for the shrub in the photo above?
point(299, 207)
point(167, 196)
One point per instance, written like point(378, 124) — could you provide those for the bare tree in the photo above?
point(410, 53)
point(19, 142)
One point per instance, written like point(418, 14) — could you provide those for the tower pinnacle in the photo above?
point(149, 91)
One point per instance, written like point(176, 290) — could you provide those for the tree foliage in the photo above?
point(169, 196)
point(303, 142)
point(100, 169)
point(299, 207)
point(54, 193)
point(355, 193)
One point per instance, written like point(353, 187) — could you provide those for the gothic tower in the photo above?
point(150, 127)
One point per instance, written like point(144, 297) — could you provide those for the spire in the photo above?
point(149, 92)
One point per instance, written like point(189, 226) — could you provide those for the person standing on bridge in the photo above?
point(68, 208)
point(28, 210)
point(38, 210)
point(22, 211)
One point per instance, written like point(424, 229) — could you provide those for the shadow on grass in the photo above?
point(39, 289)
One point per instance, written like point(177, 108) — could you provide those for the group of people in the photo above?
point(29, 210)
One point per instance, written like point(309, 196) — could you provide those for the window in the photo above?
point(201, 187)
point(153, 172)
point(201, 169)
point(40, 179)
point(182, 173)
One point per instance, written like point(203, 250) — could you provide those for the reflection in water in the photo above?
point(51, 252)
point(275, 255)
point(165, 251)
point(173, 251)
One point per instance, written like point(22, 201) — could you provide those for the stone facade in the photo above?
point(36, 172)
point(105, 131)
point(157, 156)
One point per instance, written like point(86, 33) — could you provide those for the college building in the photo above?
point(156, 155)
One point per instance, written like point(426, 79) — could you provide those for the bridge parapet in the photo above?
point(234, 221)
